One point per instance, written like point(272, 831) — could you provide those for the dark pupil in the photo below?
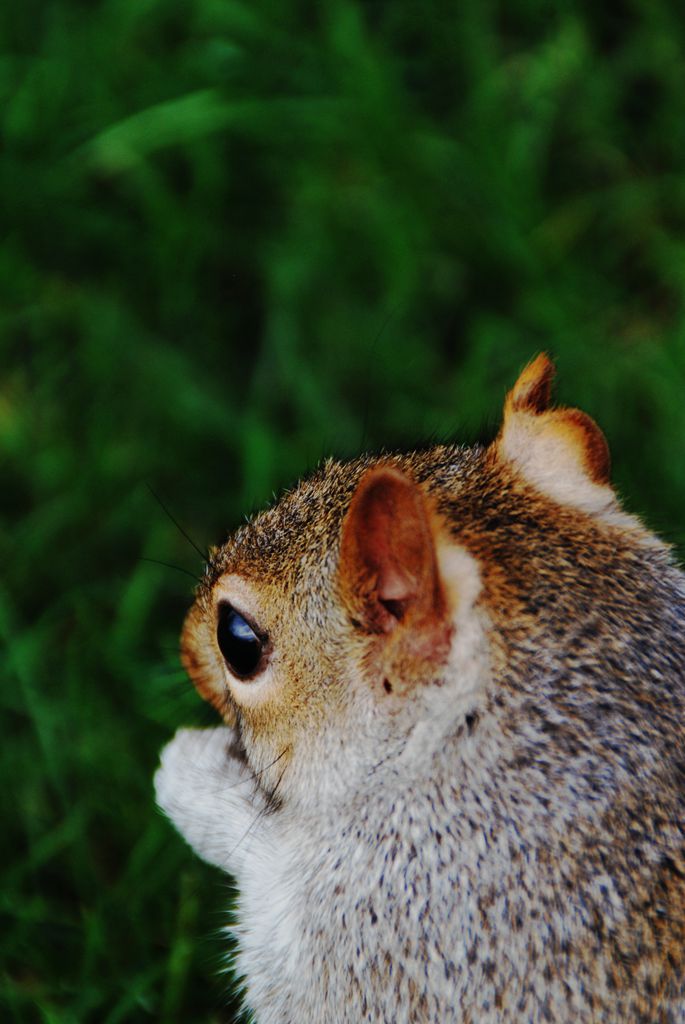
point(238, 642)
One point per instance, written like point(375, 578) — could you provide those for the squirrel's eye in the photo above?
point(241, 647)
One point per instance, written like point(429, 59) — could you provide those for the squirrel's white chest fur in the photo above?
point(378, 896)
point(269, 916)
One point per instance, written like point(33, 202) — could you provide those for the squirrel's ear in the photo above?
point(560, 451)
point(388, 567)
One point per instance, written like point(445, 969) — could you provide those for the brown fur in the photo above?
point(472, 710)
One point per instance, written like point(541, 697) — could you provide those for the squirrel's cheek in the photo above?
point(255, 694)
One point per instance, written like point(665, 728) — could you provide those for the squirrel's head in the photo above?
point(362, 616)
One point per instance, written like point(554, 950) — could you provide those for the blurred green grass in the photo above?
point(238, 237)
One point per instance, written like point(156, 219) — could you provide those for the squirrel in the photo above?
point(450, 778)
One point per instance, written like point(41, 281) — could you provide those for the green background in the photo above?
point(236, 237)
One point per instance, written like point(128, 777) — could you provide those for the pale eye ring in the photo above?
point(242, 647)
